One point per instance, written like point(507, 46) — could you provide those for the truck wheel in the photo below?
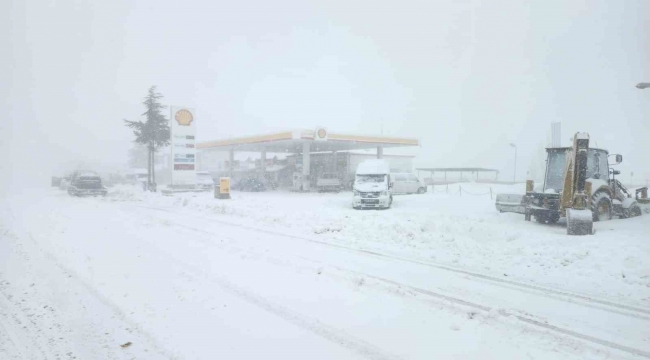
point(601, 206)
point(422, 190)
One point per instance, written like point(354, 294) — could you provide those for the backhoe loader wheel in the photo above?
point(632, 211)
point(601, 206)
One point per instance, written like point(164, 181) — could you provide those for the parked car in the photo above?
point(328, 182)
point(372, 185)
point(250, 184)
point(86, 183)
point(204, 180)
point(407, 183)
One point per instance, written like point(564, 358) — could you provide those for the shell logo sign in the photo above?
point(320, 134)
point(184, 117)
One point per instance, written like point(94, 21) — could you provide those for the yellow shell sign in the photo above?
point(322, 133)
point(184, 117)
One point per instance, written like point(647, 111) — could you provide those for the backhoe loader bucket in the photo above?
point(579, 222)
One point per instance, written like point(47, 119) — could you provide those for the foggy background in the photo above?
point(465, 77)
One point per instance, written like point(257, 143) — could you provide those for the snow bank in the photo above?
point(126, 193)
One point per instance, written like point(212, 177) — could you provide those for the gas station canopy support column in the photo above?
point(231, 160)
point(263, 162)
point(305, 166)
point(380, 152)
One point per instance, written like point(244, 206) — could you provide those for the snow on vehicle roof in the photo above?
point(88, 174)
point(375, 166)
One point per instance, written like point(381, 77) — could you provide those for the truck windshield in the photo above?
point(555, 169)
point(361, 179)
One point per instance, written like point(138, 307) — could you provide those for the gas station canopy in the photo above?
point(292, 142)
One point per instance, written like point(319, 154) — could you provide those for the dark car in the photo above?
point(250, 184)
point(86, 183)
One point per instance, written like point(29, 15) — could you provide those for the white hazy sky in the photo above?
point(465, 77)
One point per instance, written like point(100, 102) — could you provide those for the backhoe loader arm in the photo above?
point(575, 200)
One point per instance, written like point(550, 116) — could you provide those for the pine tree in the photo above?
point(154, 132)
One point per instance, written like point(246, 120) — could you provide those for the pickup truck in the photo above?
point(328, 182)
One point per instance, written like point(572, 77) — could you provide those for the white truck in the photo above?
point(328, 182)
point(372, 185)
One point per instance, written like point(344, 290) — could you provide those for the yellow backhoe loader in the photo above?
point(577, 185)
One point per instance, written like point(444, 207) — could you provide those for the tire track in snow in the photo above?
point(536, 288)
point(475, 305)
point(524, 319)
point(471, 304)
point(116, 310)
point(26, 350)
point(325, 331)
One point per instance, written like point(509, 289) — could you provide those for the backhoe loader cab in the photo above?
point(597, 167)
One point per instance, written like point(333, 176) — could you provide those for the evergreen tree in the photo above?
point(154, 132)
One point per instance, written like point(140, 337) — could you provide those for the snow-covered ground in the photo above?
point(292, 276)
point(444, 227)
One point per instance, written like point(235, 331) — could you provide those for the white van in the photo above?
point(372, 185)
point(407, 183)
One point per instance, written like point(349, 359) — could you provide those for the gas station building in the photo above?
point(302, 145)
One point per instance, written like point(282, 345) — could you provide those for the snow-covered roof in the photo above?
point(292, 142)
point(374, 166)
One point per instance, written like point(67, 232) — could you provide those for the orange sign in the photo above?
point(224, 185)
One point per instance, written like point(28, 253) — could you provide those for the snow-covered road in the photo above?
point(301, 276)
